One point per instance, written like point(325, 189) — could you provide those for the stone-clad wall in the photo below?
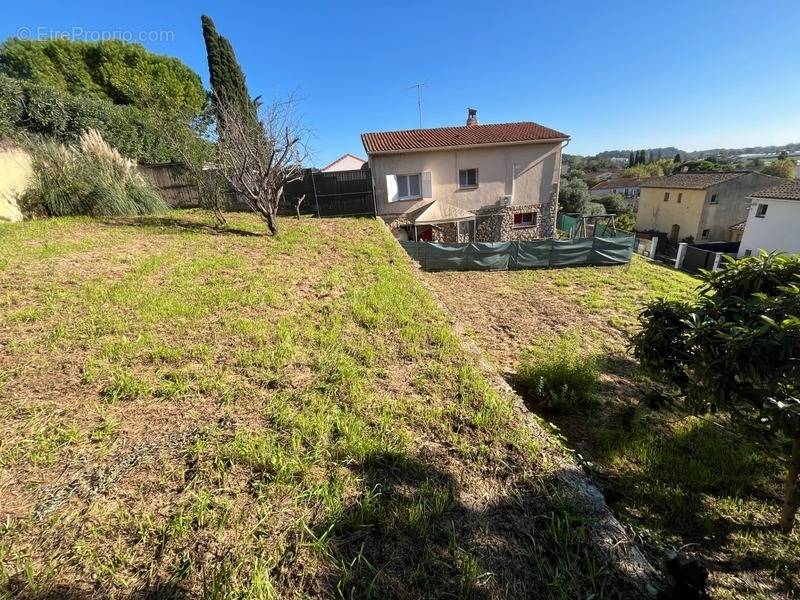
point(493, 224)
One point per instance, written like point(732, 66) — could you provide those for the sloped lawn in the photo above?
point(677, 481)
point(193, 413)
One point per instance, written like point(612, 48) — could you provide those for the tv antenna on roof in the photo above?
point(419, 87)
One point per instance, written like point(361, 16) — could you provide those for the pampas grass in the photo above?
point(87, 178)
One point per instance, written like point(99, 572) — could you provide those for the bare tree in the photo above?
point(260, 156)
point(197, 154)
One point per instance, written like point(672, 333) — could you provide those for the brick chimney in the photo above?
point(472, 117)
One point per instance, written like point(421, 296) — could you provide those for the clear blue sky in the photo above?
point(611, 74)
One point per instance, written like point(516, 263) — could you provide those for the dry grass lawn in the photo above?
point(193, 413)
point(677, 481)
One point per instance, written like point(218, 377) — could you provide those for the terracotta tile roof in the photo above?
point(787, 190)
point(738, 226)
point(622, 182)
point(446, 137)
point(692, 181)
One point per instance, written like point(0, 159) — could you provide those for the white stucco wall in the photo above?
point(527, 171)
point(778, 230)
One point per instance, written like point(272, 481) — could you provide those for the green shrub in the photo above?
point(90, 178)
point(27, 107)
point(557, 374)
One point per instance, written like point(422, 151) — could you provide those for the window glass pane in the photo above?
point(472, 177)
point(462, 178)
point(518, 219)
point(413, 185)
point(402, 185)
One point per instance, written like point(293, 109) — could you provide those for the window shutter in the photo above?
point(391, 188)
point(427, 185)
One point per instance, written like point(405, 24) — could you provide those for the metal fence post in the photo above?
point(681, 254)
point(717, 261)
point(316, 198)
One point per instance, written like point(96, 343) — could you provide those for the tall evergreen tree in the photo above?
point(227, 79)
point(631, 159)
point(650, 157)
point(677, 158)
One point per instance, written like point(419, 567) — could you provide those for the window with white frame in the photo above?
point(408, 186)
point(467, 178)
point(526, 219)
point(761, 210)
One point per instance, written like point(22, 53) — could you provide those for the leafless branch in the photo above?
point(260, 155)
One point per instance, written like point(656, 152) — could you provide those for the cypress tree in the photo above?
point(227, 78)
point(677, 158)
point(631, 159)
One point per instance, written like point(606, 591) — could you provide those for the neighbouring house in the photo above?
point(346, 162)
point(628, 187)
point(701, 206)
point(471, 183)
point(735, 232)
point(773, 220)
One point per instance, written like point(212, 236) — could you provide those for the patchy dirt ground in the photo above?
point(677, 481)
point(187, 412)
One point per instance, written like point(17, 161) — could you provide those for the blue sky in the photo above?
point(611, 74)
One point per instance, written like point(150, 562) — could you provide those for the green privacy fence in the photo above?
point(512, 256)
point(566, 223)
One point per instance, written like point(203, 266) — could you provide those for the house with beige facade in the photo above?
point(470, 183)
point(701, 206)
point(627, 187)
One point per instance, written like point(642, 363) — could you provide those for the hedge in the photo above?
point(35, 108)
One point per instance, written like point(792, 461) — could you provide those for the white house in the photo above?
point(475, 182)
point(773, 220)
point(346, 162)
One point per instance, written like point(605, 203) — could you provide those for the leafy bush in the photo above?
point(90, 178)
point(784, 167)
point(27, 107)
point(614, 203)
point(112, 70)
point(559, 376)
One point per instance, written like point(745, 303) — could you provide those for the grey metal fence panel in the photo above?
point(532, 255)
point(571, 252)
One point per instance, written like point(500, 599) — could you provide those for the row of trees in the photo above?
point(639, 157)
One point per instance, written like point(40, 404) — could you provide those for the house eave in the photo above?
point(467, 146)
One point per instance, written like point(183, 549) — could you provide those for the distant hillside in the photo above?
point(671, 151)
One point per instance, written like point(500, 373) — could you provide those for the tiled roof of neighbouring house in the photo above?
point(788, 190)
point(610, 184)
point(692, 181)
point(447, 137)
point(738, 226)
